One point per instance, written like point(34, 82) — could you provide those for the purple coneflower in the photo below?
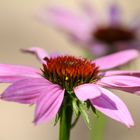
point(66, 84)
point(93, 33)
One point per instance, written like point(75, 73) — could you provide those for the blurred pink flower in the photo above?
point(91, 32)
point(82, 79)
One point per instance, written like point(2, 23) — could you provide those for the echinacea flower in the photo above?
point(76, 80)
point(91, 32)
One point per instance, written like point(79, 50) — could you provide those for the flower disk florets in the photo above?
point(69, 71)
point(113, 34)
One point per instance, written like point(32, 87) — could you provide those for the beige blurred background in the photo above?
point(19, 29)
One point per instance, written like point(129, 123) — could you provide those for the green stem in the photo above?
point(65, 122)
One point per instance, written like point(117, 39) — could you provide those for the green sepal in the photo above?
point(69, 92)
point(75, 120)
point(57, 119)
point(58, 116)
point(94, 111)
point(83, 109)
point(75, 107)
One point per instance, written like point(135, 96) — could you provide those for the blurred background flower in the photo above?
point(92, 32)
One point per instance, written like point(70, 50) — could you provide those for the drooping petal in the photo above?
point(39, 52)
point(125, 83)
point(123, 73)
point(78, 27)
point(116, 59)
point(27, 90)
point(114, 15)
point(87, 91)
point(12, 73)
point(113, 107)
point(48, 105)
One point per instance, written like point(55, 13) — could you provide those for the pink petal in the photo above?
point(76, 26)
point(120, 72)
point(87, 91)
point(39, 52)
point(125, 83)
point(113, 107)
point(114, 15)
point(48, 105)
point(116, 59)
point(12, 73)
point(27, 90)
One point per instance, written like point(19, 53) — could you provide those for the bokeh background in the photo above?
point(19, 28)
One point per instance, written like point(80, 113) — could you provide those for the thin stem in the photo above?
point(65, 122)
